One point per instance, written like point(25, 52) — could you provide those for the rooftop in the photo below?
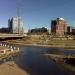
point(60, 18)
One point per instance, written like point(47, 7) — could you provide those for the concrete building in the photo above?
point(15, 25)
point(58, 27)
point(73, 31)
point(4, 30)
point(69, 30)
point(38, 30)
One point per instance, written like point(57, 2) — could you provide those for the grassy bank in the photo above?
point(43, 42)
point(62, 42)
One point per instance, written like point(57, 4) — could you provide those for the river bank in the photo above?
point(42, 45)
point(32, 60)
point(11, 68)
point(60, 60)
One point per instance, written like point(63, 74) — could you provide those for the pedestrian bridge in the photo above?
point(12, 35)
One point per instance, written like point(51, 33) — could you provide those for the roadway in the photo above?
point(11, 35)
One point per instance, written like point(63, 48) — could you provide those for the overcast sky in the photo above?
point(38, 13)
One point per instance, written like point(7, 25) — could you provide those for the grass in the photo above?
point(62, 42)
point(37, 40)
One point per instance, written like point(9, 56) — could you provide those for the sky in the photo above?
point(38, 13)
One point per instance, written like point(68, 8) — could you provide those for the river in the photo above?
point(32, 61)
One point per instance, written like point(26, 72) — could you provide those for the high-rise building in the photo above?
point(15, 25)
point(58, 26)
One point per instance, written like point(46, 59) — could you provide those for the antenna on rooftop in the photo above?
point(18, 7)
point(18, 14)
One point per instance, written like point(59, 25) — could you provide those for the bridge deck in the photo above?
point(11, 35)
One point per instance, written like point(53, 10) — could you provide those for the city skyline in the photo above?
point(38, 13)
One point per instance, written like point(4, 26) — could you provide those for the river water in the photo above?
point(32, 61)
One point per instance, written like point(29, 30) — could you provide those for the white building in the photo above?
point(15, 25)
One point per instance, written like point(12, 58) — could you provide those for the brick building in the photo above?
point(58, 27)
